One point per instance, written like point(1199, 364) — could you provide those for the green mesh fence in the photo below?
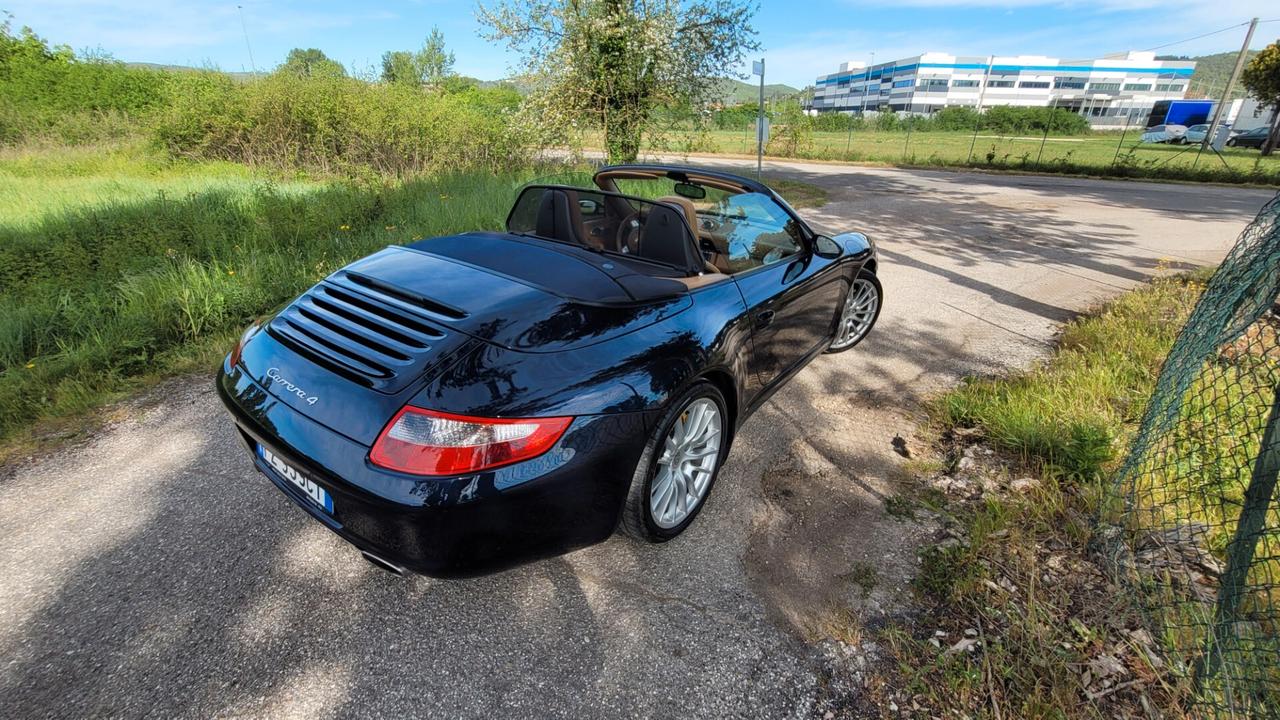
point(1198, 529)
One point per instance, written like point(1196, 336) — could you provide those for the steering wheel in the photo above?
point(628, 232)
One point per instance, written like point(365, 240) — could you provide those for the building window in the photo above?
point(1105, 87)
point(1034, 84)
point(1168, 87)
point(1068, 83)
point(964, 83)
point(999, 83)
point(932, 84)
point(1137, 87)
point(903, 83)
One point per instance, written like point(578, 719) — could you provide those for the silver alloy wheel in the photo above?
point(860, 307)
point(688, 459)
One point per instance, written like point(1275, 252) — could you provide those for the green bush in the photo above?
point(954, 118)
point(998, 119)
point(1033, 120)
point(336, 124)
point(51, 91)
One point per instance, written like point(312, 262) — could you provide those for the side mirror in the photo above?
point(588, 207)
point(824, 246)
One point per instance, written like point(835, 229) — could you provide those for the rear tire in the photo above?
point(670, 451)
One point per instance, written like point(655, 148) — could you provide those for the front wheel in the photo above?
point(860, 312)
point(679, 465)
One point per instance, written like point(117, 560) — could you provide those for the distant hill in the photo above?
point(1212, 72)
point(732, 92)
point(237, 76)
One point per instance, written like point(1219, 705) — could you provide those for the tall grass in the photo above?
point(134, 280)
point(1021, 580)
point(1069, 415)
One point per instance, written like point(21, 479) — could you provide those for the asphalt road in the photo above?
point(150, 572)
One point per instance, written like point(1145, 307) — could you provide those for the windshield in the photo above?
point(607, 222)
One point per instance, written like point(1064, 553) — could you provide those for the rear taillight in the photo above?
point(248, 333)
point(426, 442)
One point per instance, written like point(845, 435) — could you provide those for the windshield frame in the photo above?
point(606, 176)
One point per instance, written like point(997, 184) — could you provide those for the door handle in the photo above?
point(763, 319)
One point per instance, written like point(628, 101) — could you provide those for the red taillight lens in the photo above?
point(245, 336)
point(426, 442)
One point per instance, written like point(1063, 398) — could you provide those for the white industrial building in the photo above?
point(1105, 90)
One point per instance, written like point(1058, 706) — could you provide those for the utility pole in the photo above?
point(982, 93)
point(866, 85)
point(245, 29)
point(758, 69)
point(1226, 92)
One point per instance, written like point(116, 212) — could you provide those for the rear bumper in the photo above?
point(567, 498)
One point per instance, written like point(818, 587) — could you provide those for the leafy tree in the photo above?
point(398, 66)
point(430, 66)
point(311, 63)
point(1262, 78)
point(612, 63)
point(434, 62)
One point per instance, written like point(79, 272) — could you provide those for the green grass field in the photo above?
point(118, 266)
point(1090, 154)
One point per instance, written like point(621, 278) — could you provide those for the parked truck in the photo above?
point(1180, 112)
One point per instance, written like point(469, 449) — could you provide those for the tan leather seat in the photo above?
point(686, 209)
point(718, 260)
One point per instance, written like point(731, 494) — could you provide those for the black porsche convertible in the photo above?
point(470, 402)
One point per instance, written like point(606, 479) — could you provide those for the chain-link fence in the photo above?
point(1042, 139)
point(1196, 523)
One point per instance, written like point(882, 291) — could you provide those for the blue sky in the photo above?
point(801, 39)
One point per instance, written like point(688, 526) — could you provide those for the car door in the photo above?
point(790, 292)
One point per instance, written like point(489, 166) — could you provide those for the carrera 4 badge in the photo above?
point(274, 375)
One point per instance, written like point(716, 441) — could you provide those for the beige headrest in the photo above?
point(686, 207)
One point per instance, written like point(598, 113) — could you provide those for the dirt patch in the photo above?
point(832, 552)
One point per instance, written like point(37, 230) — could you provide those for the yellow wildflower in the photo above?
point(344, 228)
point(30, 365)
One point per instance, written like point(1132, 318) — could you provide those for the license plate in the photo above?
point(309, 488)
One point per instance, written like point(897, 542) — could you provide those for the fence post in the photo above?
point(1047, 124)
point(1253, 516)
point(907, 145)
point(1123, 132)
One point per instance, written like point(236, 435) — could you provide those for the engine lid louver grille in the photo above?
point(356, 329)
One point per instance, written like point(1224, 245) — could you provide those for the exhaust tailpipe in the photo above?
point(383, 564)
